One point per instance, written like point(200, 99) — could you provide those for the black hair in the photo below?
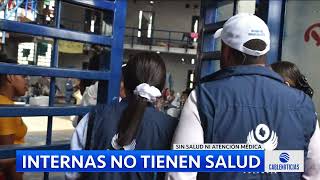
point(187, 92)
point(146, 67)
point(246, 59)
point(291, 72)
point(4, 59)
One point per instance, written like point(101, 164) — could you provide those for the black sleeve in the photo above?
point(90, 128)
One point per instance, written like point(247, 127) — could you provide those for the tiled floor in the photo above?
point(62, 130)
point(39, 176)
point(37, 129)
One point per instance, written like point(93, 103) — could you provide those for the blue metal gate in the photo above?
point(272, 12)
point(210, 22)
point(109, 77)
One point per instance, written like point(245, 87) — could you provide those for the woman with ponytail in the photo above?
point(133, 123)
point(292, 76)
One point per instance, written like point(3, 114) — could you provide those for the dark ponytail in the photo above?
point(290, 72)
point(147, 68)
point(303, 85)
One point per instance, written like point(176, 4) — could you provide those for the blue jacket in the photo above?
point(234, 101)
point(155, 133)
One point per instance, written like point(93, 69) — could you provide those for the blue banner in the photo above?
point(140, 161)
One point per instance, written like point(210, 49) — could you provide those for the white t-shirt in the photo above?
point(89, 98)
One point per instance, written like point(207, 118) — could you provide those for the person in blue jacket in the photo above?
point(246, 102)
point(133, 123)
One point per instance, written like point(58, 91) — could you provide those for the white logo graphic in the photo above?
point(261, 134)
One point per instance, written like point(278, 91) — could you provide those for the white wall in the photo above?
point(299, 16)
point(245, 6)
point(175, 67)
point(178, 70)
point(169, 15)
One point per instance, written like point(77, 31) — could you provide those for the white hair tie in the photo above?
point(146, 91)
point(116, 146)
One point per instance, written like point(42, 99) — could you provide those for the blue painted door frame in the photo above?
point(274, 18)
point(109, 76)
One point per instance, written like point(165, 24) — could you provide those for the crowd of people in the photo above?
point(223, 108)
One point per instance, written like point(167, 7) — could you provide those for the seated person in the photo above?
point(12, 129)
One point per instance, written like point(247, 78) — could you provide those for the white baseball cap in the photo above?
point(241, 28)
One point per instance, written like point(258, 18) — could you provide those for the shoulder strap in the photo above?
point(200, 111)
point(89, 129)
point(85, 175)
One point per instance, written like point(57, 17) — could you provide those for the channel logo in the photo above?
point(284, 157)
point(284, 161)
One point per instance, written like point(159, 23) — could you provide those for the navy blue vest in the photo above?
point(234, 101)
point(155, 133)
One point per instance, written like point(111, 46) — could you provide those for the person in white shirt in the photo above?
point(230, 103)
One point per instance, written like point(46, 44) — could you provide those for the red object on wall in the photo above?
point(311, 32)
point(194, 35)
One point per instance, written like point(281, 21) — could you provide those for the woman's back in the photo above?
point(134, 123)
point(155, 131)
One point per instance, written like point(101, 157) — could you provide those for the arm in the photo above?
point(312, 162)
point(9, 165)
point(78, 142)
point(78, 139)
point(189, 122)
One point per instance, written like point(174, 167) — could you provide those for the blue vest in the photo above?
point(234, 101)
point(155, 133)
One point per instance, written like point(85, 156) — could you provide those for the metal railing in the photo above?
point(163, 38)
point(109, 75)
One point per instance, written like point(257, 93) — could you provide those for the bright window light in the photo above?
point(150, 28)
point(192, 61)
point(140, 23)
point(191, 85)
point(92, 26)
point(191, 77)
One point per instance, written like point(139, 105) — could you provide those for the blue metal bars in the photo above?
point(210, 23)
point(39, 30)
point(109, 74)
point(119, 28)
point(53, 72)
point(276, 13)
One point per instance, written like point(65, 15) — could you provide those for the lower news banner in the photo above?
point(140, 161)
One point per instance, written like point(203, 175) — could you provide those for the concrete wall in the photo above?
point(295, 48)
point(174, 66)
point(178, 70)
point(169, 15)
point(72, 17)
point(72, 60)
